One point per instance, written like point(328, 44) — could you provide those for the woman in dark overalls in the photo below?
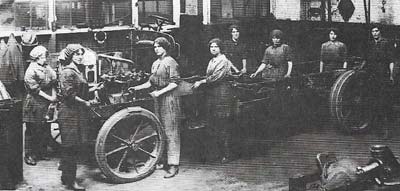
point(276, 65)
point(219, 99)
point(39, 82)
point(277, 61)
point(73, 113)
point(164, 73)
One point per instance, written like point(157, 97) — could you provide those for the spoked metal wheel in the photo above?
point(351, 101)
point(129, 145)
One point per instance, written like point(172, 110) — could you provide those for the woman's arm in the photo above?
point(141, 86)
point(173, 73)
point(391, 67)
point(321, 66)
point(34, 87)
point(244, 62)
point(219, 72)
point(234, 68)
point(290, 66)
point(168, 88)
point(69, 87)
point(259, 69)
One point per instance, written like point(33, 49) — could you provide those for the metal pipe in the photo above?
point(329, 10)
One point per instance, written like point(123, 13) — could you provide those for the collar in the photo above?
point(40, 65)
point(219, 58)
point(276, 45)
point(73, 67)
point(378, 40)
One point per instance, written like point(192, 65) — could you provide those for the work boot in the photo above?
point(75, 186)
point(30, 160)
point(173, 171)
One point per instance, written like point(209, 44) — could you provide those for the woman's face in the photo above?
point(332, 36)
point(276, 40)
point(235, 34)
point(42, 59)
point(376, 33)
point(77, 57)
point(159, 50)
point(214, 49)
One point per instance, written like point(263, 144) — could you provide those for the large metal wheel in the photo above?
point(129, 145)
point(351, 101)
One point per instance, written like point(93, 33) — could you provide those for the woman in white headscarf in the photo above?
point(40, 84)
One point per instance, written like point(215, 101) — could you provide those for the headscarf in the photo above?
point(234, 26)
point(71, 49)
point(277, 33)
point(37, 52)
point(67, 53)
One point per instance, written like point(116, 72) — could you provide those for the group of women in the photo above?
point(73, 114)
point(41, 84)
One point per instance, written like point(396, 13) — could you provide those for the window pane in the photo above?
point(31, 14)
point(116, 11)
point(86, 12)
point(70, 13)
point(154, 7)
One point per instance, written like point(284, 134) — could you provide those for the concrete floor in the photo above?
point(273, 160)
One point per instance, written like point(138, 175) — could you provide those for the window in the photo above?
point(151, 7)
point(35, 14)
point(70, 13)
point(29, 14)
point(84, 13)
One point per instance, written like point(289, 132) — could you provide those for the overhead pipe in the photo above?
point(329, 10)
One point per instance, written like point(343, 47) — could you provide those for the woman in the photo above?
point(73, 113)
point(236, 50)
point(219, 99)
point(39, 82)
point(333, 53)
point(164, 73)
point(277, 62)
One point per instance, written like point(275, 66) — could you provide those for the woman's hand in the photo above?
point(132, 89)
point(196, 84)
point(155, 94)
point(253, 75)
point(243, 70)
point(87, 103)
point(53, 99)
point(287, 76)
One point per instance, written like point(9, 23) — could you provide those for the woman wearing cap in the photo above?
point(219, 99)
point(277, 61)
point(73, 113)
point(164, 73)
point(333, 53)
point(39, 82)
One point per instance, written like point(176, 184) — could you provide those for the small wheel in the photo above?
point(129, 145)
point(351, 101)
